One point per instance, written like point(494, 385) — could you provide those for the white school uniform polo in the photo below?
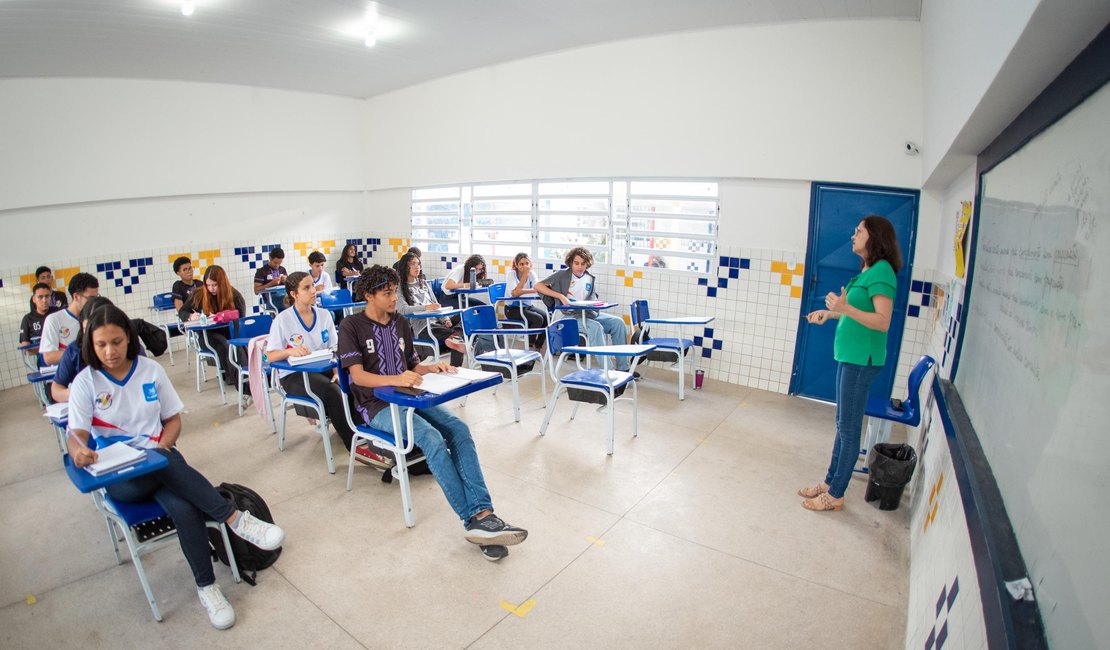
point(130, 411)
point(289, 331)
point(512, 279)
point(323, 281)
point(59, 330)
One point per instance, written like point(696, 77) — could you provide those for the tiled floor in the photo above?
point(688, 536)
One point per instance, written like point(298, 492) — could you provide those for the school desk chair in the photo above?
point(310, 401)
point(401, 448)
point(482, 321)
point(164, 315)
point(596, 385)
point(667, 349)
point(883, 413)
point(204, 354)
point(142, 525)
point(243, 331)
point(498, 296)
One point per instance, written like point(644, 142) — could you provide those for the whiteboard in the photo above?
point(1034, 370)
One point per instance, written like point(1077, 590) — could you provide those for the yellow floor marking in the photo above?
point(31, 600)
point(593, 540)
point(520, 610)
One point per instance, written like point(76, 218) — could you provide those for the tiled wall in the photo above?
point(754, 294)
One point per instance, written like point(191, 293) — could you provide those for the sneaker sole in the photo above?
point(494, 553)
point(499, 538)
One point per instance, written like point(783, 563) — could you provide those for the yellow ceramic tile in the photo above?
point(628, 282)
point(638, 274)
point(795, 292)
point(620, 273)
point(207, 259)
point(785, 279)
point(778, 267)
point(61, 277)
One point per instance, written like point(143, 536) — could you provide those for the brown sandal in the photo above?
point(813, 491)
point(822, 502)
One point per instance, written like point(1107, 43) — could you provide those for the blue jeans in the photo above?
point(189, 499)
point(451, 455)
point(603, 325)
point(852, 385)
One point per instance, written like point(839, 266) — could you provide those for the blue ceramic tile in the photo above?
point(734, 273)
point(703, 282)
point(712, 292)
point(915, 311)
point(722, 283)
point(916, 285)
point(745, 263)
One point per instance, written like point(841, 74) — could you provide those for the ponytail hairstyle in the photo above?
point(292, 281)
point(882, 242)
point(225, 296)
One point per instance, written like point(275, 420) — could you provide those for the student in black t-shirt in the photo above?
point(45, 275)
point(375, 346)
point(41, 307)
point(184, 287)
point(348, 265)
point(272, 274)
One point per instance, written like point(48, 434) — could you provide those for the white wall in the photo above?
point(764, 213)
point(811, 101)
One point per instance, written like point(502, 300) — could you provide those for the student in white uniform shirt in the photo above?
point(321, 281)
point(302, 330)
point(124, 397)
point(459, 278)
point(521, 281)
point(60, 328)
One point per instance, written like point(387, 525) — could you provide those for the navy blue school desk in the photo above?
point(347, 308)
point(31, 360)
point(584, 306)
point(86, 482)
point(269, 295)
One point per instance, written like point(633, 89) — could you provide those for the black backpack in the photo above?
point(152, 336)
point(247, 556)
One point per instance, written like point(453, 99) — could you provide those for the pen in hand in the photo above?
point(83, 456)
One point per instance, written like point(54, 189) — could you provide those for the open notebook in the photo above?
point(312, 357)
point(442, 382)
point(113, 457)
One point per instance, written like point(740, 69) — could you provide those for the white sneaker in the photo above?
point(263, 535)
point(220, 612)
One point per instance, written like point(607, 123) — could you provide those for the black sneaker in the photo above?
point(490, 530)
point(494, 552)
point(635, 376)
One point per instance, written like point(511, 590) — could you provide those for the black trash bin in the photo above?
point(889, 468)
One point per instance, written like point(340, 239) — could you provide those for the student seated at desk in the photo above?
point(577, 283)
point(30, 329)
point(348, 265)
point(417, 296)
point(186, 285)
point(302, 330)
point(45, 275)
point(321, 280)
point(459, 278)
point(272, 274)
point(122, 396)
point(72, 362)
point(521, 281)
point(60, 328)
point(376, 347)
point(218, 295)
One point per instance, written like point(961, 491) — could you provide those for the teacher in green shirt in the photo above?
point(862, 311)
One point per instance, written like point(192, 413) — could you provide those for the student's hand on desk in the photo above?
point(443, 366)
point(431, 306)
point(564, 300)
point(409, 379)
point(298, 351)
point(194, 316)
point(84, 456)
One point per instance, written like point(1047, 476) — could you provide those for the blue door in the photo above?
point(834, 213)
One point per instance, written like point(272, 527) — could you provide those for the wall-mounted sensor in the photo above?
point(911, 149)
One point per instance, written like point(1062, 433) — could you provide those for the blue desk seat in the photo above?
point(883, 413)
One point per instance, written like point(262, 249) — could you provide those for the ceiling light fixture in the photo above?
point(187, 8)
point(371, 37)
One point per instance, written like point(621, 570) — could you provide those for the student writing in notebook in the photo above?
point(272, 274)
point(124, 397)
point(218, 295)
point(375, 346)
point(60, 328)
point(301, 329)
point(415, 296)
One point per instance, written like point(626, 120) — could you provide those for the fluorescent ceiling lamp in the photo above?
point(187, 8)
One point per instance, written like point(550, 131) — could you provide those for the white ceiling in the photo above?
point(300, 45)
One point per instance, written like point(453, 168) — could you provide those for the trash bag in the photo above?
point(889, 469)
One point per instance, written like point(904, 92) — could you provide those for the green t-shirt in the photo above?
point(855, 343)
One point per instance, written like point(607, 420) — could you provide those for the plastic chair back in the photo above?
point(560, 334)
point(917, 376)
point(496, 292)
point(344, 380)
point(335, 297)
point(640, 312)
point(482, 317)
point(252, 326)
point(163, 301)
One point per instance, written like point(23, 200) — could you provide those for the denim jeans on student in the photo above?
point(602, 326)
point(853, 382)
point(189, 499)
point(451, 456)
